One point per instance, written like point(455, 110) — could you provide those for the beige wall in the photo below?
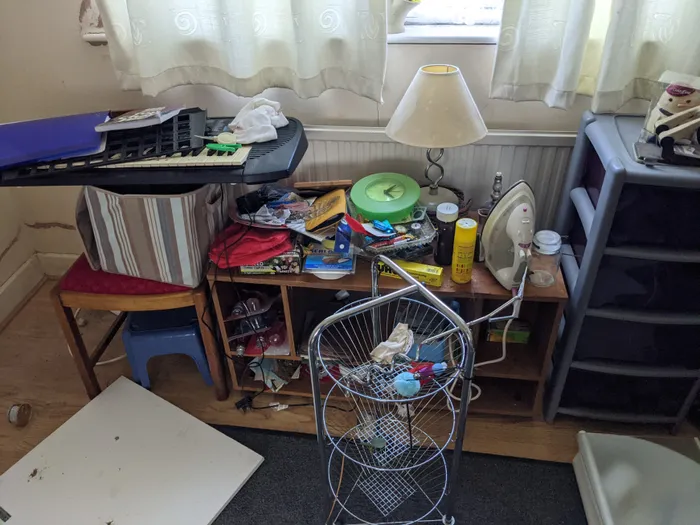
point(47, 70)
point(15, 246)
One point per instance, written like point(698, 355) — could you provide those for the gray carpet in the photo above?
point(288, 489)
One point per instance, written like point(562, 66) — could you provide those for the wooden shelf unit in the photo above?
point(513, 387)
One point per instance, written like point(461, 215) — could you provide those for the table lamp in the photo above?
point(437, 111)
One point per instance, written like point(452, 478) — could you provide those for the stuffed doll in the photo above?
point(675, 98)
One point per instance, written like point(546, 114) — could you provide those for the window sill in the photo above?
point(446, 34)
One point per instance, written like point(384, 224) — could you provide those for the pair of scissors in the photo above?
point(223, 147)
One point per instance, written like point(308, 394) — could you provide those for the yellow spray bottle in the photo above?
point(463, 252)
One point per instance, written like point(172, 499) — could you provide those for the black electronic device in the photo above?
point(171, 153)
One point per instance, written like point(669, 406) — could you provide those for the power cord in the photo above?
point(337, 489)
point(246, 403)
point(274, 405)
point(473, 386)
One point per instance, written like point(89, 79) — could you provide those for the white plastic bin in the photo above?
point(632, 481)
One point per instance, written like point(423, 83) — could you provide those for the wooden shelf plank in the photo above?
point(520, 363)
point(214, 288)
point(504, 397)
point(297, 387)
point(284, 291)
point(483, 283)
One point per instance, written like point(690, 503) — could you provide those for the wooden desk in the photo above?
point(512, 387)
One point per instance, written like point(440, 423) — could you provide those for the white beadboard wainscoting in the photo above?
point(352, 152)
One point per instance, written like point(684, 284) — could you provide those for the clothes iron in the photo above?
point(507, 235)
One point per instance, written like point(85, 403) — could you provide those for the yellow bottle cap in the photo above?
point(467, 224)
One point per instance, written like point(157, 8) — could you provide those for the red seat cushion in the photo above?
point(81, 278)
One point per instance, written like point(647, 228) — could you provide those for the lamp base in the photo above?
point(431, 199)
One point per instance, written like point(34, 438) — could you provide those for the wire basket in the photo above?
point(387, 456)
point(397, 436)
point(345, 348)
point(387, 496)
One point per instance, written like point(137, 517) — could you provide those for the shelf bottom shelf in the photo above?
point(297, 387)
point(504, 397)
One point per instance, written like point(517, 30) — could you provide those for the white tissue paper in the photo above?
point(400, 342)
point(267, 216)
point(258, 121)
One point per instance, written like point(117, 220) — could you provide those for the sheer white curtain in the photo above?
point(612, 50)
point(246, 46)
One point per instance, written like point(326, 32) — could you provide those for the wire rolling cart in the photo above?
point(386, 462)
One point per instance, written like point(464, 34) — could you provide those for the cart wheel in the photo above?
point(448, 521)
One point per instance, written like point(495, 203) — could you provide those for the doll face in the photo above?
point(678, 98)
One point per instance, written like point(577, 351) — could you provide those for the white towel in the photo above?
point(258, 121)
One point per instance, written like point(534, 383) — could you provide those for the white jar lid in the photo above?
point(447, 212)
point(547, 242)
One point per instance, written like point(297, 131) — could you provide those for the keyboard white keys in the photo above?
point(204, 158)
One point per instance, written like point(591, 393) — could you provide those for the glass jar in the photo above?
point(546, 254)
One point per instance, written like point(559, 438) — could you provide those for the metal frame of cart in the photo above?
point(392, 458)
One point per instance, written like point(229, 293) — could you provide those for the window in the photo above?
point(457, 12)
point(452, 22)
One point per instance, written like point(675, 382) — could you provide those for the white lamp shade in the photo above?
point(437, 111)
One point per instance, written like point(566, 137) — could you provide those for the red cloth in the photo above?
point(81, 278)
point(240, 245)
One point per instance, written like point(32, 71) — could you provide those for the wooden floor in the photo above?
point(36, 368)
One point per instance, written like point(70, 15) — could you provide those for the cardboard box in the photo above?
point(423, 273)
point(284, 263)
point(518, 332)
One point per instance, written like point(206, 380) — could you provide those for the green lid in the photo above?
point(381, 196)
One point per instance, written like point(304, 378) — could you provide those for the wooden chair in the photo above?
point(83, 287)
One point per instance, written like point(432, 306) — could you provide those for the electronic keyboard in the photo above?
point(190, 163)
point(197, 158)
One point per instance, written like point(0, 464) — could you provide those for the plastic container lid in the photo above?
point(447, 212)
point(547, 242)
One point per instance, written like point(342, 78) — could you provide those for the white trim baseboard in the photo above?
point(19, 287)
point(54, 265)
point(22, 284)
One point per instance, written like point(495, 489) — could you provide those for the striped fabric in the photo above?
point(159, 237)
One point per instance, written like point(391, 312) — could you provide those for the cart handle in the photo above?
point(461, 325)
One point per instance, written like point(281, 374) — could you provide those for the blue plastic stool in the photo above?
point(163, 332)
